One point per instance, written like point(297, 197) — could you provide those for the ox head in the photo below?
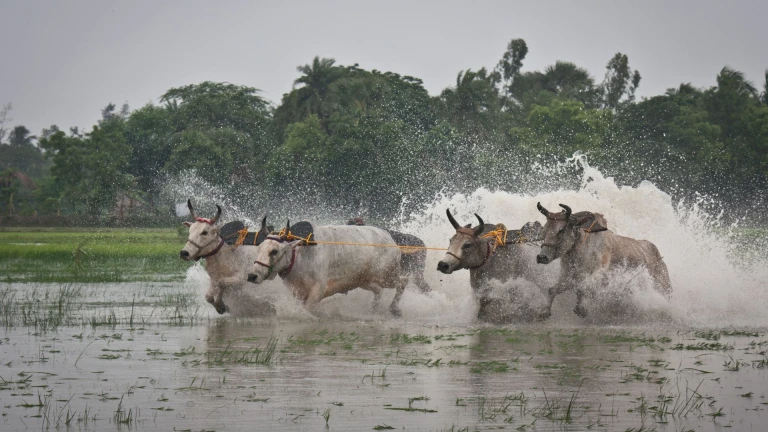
point(466, 248)
point(273, 256)
point(560, 234)
point(203, 240)
point(203, 236)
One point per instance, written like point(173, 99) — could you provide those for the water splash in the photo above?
point(710, 288)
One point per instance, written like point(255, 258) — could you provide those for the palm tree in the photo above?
point(314, 93)
point(474, 103)
point(735, 81)
point(21, 137)
point(568, 80)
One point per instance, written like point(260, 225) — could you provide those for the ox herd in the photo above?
point(571, 251)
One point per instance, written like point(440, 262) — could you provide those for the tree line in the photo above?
point(376, 143)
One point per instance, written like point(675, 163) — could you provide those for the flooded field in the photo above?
point(123, 340)
point(152, 356)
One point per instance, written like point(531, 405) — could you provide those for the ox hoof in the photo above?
point(396, 311)
point(543, 315)
point(581, 311)
point(221, 308)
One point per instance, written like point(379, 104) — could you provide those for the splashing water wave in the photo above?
point(711, 288)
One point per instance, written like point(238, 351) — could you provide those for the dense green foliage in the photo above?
point(377, 143)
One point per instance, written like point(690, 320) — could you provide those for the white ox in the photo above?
point(319, 271)
point(226, 265)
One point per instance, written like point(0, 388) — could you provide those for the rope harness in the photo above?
point(280, 238)
point(242, 234)
point(210, 254)
point(499, 236)
point(489, 252)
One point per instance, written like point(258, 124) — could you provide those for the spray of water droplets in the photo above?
point(716, 281)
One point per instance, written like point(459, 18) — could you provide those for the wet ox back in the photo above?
point(606, 249)
point(342, 268)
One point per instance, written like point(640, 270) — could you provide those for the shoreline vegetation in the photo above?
point(91, 255)
point(348, 140)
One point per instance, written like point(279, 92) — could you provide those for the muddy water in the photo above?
point(155, 357)
point(418, 374)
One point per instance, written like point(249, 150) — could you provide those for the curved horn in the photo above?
point(481, 227)
point(191, 210)
point(287, 227)
point(453, 221)
point(541, 208)
point(263, 225)
point(567, 211)
point(218, 215)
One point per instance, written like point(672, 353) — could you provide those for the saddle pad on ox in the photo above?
point(304, 229)
point(230, 232)
point(406, 240)
point(531, 231)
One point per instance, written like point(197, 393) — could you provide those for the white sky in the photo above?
point(62, 61)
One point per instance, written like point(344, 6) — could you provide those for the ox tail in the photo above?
point(659, 273)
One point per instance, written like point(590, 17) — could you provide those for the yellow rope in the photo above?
point(499, 235)
point(379, 245)
point(308, 240)
point(241, 237)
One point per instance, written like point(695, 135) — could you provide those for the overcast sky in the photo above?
point(62, 61)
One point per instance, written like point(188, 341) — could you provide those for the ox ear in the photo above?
point(588, 221)
point(187, 224)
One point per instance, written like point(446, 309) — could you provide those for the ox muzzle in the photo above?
point(444, 267)
point(253, 278)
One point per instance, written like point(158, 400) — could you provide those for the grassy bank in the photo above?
point(90, 255)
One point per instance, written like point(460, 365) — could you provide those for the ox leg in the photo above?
point(482, 315)
point(394, 307)
point(376, 290)
point(559, 288)
point(580, 310)
point(660, 276)
point(418, 279)
point(217, 296)
point(316, 293)
point(210, 296)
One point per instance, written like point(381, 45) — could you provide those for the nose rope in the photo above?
point(587, 231)
point(281, 273)
point(200, 248)
point(453, 255)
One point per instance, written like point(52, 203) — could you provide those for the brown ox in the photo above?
point(586, 247)
point(486, 262)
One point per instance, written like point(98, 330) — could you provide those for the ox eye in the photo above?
point(466, 246)
point(273, 252)
point(205, 232)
